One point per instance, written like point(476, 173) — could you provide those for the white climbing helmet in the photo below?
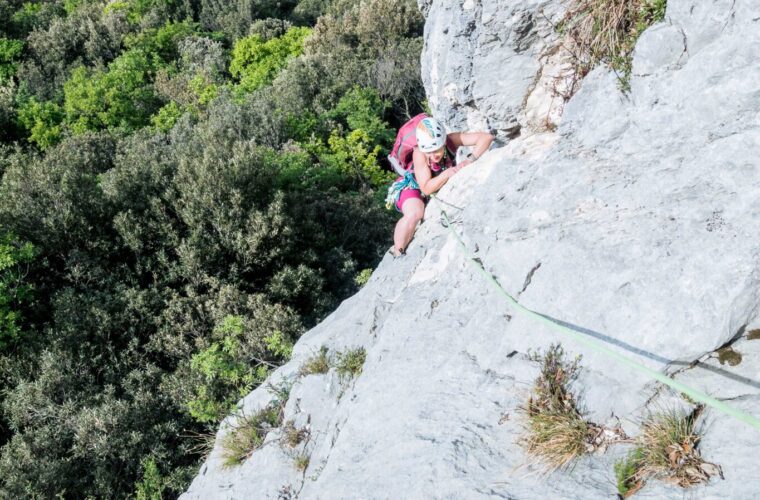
point(430, 134)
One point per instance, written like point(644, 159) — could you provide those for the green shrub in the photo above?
point(43, 121)
point(349, 364)
point(255, 62)
point(363, 277)
point(10, 51)
point(14, 258)
point(152, 486)
point(121, 97)
point(248, 432)
point(225, 375)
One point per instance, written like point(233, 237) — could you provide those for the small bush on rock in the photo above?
point(248, 433)
point(349, 364)
point(318, 363)
point(667, 449)
point(556, 432)
point(605, 31)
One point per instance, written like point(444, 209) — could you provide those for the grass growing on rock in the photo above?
point(605, 31)
point(301, 462)
point(248, 432)
point(667, 449)
point(318, 363)
point(292, 436)
point(349, 364)
point(555, 431)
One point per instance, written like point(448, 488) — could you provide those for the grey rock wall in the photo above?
point(482, 59)
point(636, 222)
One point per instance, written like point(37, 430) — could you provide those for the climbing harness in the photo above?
point(660, 377)
point(394, 191)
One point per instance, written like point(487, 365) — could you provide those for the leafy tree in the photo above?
point(121, 97)
point(10, 50)
point(43, 121)
point(162, 42)
point(234, 18)
point(13, 290)
point(255, 62)
point(86, 37)
point(176, 263)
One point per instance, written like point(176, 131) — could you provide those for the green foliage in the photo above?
point(363, 277)
point(43, 121)
point(120, 97)
point(72, 5)
point(248, 432)
point(177, 263)
point(279, 345)
point(353, 157)
point(13, 290)
point(235, 18)
point(625, 472)
point(162, 42)
point(318, 363)
point(226, 377)
point(33, 15)
point(606, 31)
point(166, 117)
point(10, 51)
point(362, 109)
point(349, 364)
point(152, 486)
point(255, 62)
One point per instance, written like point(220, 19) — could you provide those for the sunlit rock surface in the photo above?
point(636, 222)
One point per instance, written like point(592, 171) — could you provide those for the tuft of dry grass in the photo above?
point(292, 435)
point(556, 432)
point(605, 31)
point(248, 433)
point(301, 462)
point(667, 449)
point(318, 363)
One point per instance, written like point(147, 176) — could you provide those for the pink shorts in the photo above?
point(405, 195)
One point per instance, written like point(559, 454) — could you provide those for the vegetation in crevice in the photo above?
point(667, 449)
point(605, 32)
point(555, 431)
point(247, 431)
point(349, 363)
point(316, 364)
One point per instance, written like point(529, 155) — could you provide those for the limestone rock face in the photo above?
point(635, 222)
point(483, 58)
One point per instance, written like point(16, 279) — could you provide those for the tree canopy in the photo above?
point(186, 186)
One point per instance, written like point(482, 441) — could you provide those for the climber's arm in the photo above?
point(480, 142)
point(429, 184)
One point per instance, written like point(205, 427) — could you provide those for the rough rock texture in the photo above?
point(483, 59)
point(637, 222)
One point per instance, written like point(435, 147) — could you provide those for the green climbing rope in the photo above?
point(692, 393)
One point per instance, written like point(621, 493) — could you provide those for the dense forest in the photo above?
point(187, 186)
